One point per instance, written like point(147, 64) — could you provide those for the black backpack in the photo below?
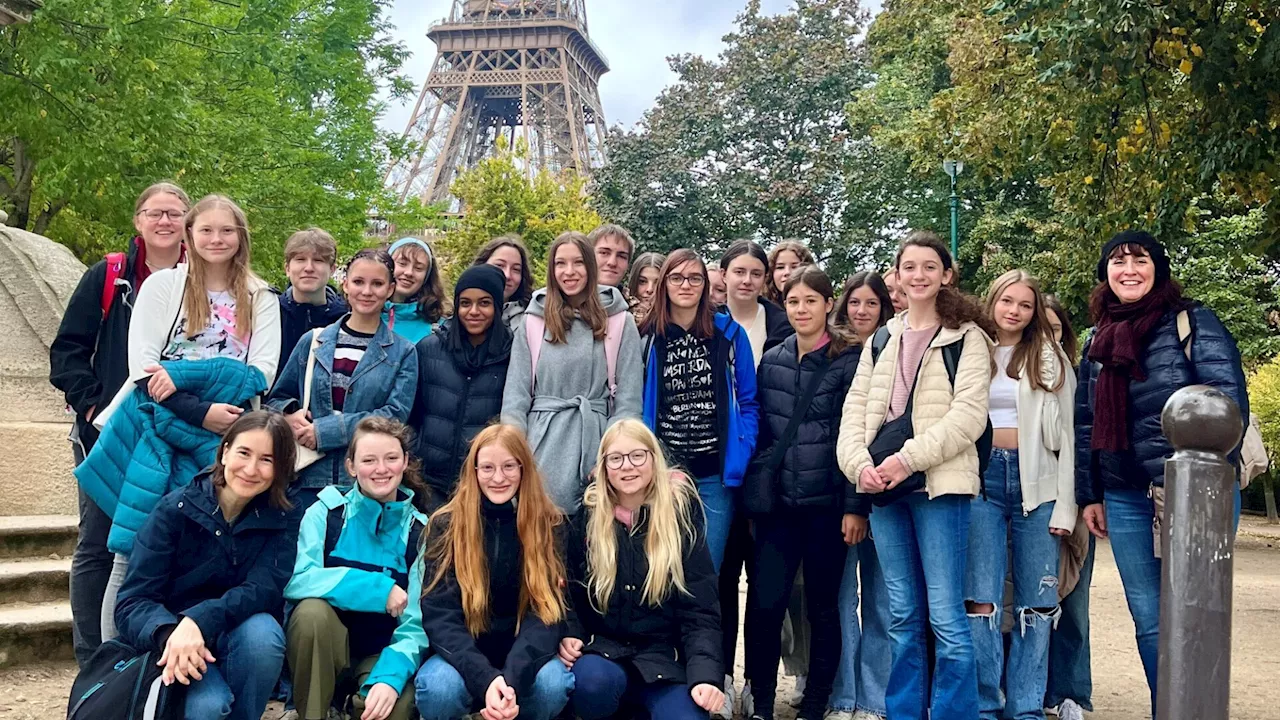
point(119, 683)
point(951, 359)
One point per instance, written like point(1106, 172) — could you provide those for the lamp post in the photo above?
point(953, 168)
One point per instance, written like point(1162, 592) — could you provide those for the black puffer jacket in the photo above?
point(809, 476)
point(1215, 361)
point(516, 655)
point(677, 642)
point(453, 406)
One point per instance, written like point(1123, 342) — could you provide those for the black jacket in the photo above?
point(809, 476)
point(501, 650)
point(452, 406)
point(1215, 361)
point(777, 326)
point(678, 641)
point(89, 357)
point(188, 562)
point(297, 318)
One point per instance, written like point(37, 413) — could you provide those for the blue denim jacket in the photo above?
point(384, 383)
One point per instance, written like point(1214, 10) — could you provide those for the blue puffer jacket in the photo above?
point(190, 562)
point(383, 384)
point(737, 409)
point(353, 565)
point(1215, 361)
point(145, 451)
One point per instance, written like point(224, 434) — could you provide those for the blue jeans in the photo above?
point(992, 522)
point(1070, 674)
point(602, 687)
point(717, 501)
point(923, 546)
point(863, 675)
point(441, 694)
point(1129, 515)
point(239, 684)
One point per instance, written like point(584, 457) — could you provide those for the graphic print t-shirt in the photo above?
point(687, 421)
point(217, 339)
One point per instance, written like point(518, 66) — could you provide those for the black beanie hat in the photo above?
point(481, 277)
point(1142, 239)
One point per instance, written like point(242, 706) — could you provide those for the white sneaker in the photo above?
point(290, 715)
point(838, 715)
point(1069, 710)
point(746, 703)
point(797, 695)
point(867, 715)
point(730, 696)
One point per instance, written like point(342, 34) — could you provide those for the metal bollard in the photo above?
point(1194, 683)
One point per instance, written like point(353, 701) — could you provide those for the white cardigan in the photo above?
point(156, 313)
point(1046, 440)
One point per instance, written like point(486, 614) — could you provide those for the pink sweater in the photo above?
point(910, 352)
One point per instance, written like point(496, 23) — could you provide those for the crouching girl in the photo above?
point(645, 626)
point(354, 581)
point(494, 606)
point(208, 572)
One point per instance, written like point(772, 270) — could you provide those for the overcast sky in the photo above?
point(637, 37)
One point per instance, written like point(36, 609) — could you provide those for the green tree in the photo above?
point(269, 102)
point(498, 197)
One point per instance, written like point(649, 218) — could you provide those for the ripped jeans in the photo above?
point(994, 522)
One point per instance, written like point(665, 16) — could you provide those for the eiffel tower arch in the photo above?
point(521, 69)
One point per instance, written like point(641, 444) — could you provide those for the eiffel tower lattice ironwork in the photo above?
point(521, 69)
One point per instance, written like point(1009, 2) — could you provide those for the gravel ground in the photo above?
point(39, 691)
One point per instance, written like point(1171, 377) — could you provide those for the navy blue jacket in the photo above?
point(297, 318)
point(809, 476)
point(187, 561)
point(1215, 361)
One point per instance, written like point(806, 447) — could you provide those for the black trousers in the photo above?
point(784, 541)
point(90, 570)
point(738, 553)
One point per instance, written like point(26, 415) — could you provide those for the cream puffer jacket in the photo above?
point(946, 424)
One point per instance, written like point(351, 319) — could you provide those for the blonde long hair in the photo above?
point(673, 506)
point(1038, 333)
point(241, 281)
point(459, 544)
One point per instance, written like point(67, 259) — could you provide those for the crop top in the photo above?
point(1003, 405)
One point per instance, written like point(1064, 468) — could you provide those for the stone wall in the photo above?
point(37, 277)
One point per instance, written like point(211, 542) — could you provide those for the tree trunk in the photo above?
point(20, 192)
point(1269, 492)
point(46, 216)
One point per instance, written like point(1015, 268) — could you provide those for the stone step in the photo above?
point(34, 581)
point(32, 632)
point(37, 536)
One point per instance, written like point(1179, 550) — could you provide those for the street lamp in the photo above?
point(953, 168)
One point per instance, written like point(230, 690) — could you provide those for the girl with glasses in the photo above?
point(644, 629)
point(700, 389)
point(494, 605)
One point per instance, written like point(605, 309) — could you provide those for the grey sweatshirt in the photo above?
point(570, 411)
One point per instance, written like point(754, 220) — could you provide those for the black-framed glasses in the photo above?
point(696, 281)
point(638, 458)
point(510, 470)
point(174, 215)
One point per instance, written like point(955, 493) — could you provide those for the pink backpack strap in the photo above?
point(612, 344)
point(535, 327)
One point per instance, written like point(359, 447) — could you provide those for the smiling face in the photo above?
point(308, 273)
point(476, 311)
point(898, 297)
point(648, 284)
point(367, 286)
point(216, 236)
point(921, 274)
point(507, 259)
point(630, 481)
point(569, 270)
point(719, 289)
point(498, 472)
point(864, 311)
point(412, 266)
point(745, 278)
point(248, 464)
point(1130, 273)
point(1015, 308)
point(684, 285)
point(613, 254)
point(807, 310)
point(160, 221)
point(378, 463)
point(786, 262)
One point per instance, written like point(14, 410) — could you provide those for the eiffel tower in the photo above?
point(520, 69)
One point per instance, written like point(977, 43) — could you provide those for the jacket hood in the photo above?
point(334, 305)
point(610, 297)
point(499, 347)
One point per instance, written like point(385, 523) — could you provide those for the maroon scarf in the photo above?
point(1119, 339)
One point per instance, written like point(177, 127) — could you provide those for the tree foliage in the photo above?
point(498, 197)
point(270, 102)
